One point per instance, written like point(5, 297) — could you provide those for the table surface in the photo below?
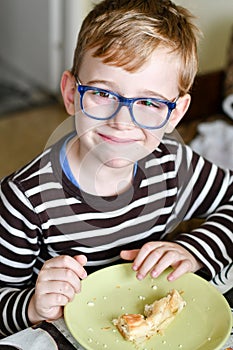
point(56, 336)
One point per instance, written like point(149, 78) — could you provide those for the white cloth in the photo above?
point(215, 143)
point(30, 339)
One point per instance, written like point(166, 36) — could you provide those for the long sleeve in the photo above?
point(19, 249)
point(207, 192)
point(13, 309)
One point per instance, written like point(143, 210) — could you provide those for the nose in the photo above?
point(122, 119)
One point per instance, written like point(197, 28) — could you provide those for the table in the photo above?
point(56, 336)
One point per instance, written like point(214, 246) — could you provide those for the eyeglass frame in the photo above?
point(127, 102)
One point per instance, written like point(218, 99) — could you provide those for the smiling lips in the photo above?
point(113, 139)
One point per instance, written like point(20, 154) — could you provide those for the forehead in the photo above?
point(160, 72)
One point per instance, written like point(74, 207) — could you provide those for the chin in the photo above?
point(119, 163)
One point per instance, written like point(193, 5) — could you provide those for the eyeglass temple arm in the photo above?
point(78, 82)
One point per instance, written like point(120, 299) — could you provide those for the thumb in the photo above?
point(129, 254)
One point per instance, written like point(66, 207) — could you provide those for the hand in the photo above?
point(57, 283)
point(155, 257)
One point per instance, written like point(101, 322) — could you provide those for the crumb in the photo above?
point(105, 328)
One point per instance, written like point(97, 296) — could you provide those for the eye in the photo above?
point(104, 94)
point(150, 103)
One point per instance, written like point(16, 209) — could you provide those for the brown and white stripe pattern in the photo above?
point(44, 215)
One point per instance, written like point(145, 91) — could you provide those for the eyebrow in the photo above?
point(111, 86)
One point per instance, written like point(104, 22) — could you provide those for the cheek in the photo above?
point(84, 124)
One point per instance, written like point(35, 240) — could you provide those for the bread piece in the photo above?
point(162, 312)
point(133, 326)
point(157, 316)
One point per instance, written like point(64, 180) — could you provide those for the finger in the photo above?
point(180, 269)
point(129, 254)
point(51, 301)
point(168, 258)
point(63, 275)
point(66, 261)
point(56, 287)
point(144, 252)
point(150, 261)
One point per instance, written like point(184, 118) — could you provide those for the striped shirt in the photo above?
point(43, 215)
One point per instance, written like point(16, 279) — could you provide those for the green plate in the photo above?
point(204, 324)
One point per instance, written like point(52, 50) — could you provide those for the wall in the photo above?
point(215, 18)
point(75, 11)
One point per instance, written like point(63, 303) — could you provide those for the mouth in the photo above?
point(116, 140)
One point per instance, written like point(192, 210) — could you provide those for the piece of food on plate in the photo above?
point(132, 326)
point(157, 316)
point(162, 312)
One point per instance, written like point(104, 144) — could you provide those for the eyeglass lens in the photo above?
point(103, 105)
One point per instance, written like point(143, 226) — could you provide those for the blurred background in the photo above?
point(37, 40)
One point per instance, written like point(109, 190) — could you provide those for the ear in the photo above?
point(68, 89)
point(182, 106)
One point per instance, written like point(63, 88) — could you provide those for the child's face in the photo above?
point(118, 141)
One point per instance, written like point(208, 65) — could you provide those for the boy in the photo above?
point(117, 186)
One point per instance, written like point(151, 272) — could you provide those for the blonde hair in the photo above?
point(125, 33)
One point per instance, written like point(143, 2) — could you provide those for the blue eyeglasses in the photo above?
point(101, 104)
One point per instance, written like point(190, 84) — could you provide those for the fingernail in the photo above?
point(135, 267)
point(154, 274)
point(140, 276)
point(171, 278)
